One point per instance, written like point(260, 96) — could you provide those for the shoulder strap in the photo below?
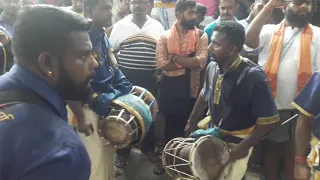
point(19, 96)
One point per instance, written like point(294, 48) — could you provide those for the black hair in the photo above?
point(90, 3)
point(201, 9)
point(183, 5)
point(234, 32)
point(44, 28)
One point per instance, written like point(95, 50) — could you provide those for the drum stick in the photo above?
point(285, 122)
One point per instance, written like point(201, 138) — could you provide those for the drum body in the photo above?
point(205, 158)
point(130, 118)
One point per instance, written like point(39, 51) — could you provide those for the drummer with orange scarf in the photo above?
point(289, 53)
point(181, 55)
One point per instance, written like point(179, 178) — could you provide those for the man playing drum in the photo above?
point(307, 102)
point(108, 81)
point(238, 96)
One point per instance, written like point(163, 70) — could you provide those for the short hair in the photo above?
point(183, 5)
point(234, 32)
point(201, 9)
point(44, 28)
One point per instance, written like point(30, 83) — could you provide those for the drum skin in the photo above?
point(205, 158)
point(130, 118)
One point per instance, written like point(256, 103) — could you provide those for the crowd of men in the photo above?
point(247, 74)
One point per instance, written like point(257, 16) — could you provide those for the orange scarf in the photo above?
point(175, 46)
point(304, 67)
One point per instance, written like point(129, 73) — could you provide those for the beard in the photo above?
point(69, 90)
point(188, 24)
point(298, 20)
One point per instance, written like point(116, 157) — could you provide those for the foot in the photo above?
point(152, 156)
point(118, 172)
point(158, 170)
point(121, 161)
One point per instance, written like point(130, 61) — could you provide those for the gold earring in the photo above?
point(49, 73)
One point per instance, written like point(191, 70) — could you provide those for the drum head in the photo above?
point(120, 128)
point(209, 158)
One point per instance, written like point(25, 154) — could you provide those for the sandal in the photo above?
point(121, 161)
point(158, 170)
point(152, 156)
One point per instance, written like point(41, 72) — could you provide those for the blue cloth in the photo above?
point(210, 28)
point(308, 101)
point(210, 131)
point(107, 79)
point(250, 104)
point(36, 143)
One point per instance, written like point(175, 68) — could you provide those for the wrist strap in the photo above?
point(300, 159)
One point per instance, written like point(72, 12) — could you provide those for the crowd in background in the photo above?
point(147, 52)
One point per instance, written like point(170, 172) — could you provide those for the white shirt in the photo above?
point(244, 23)
point(288, 67)
point(126, 28)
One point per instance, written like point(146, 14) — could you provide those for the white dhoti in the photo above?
point(102, 156)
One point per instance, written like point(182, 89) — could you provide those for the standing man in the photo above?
point(181, 55)
point(164, 11)
point(289, 53)
point(77, 6)
point(307, 103)
point(108, 82)
point(228, 10)
point(238, 96)
point(256, 7)
point(36, 140)
point(135, 38)
point(201, 12)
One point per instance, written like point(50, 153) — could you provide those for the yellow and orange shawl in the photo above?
point(304, 67)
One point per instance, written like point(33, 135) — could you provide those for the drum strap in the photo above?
point(20, 96)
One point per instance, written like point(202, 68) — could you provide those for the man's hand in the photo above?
point(302, 171)
point(239, 151)
point(85, 127)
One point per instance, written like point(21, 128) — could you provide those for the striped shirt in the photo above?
point(136, 47)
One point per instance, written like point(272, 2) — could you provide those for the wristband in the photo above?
point(300, 159)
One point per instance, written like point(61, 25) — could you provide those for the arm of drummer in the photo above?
point(197, 113)
point(307, 103)
point(121, 84)
point(263, 108)
point(83, 126)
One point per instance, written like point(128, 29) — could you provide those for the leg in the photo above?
point(122, 157)
point(271, 160)
point(148, 145)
